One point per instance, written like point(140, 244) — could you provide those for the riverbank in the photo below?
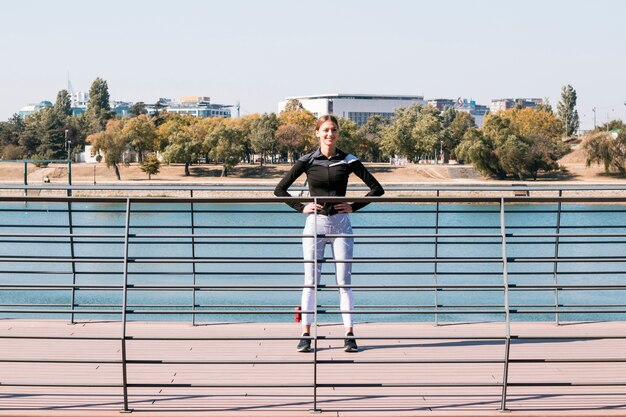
point(464, 178)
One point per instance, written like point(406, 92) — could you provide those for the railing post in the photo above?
point(556, 261)
point(69, 177)
point(436, 263)
point(193, 265)
point(124, 307)
point(25, 178)
point(507, 311)
point(315, 409)
point(71, 229)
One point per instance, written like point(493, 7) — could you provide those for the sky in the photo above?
point(259, 52)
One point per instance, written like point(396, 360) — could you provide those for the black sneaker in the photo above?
point(349, 345)
point(305, 344)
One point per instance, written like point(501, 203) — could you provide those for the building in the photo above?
point(442, 103)
point(499, 104)
point(356, 107)
point(196, 106)
point(33, 108)
point(477, 111)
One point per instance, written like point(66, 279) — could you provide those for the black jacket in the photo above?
point(328, 177)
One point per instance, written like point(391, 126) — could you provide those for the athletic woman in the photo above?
point(327, 170)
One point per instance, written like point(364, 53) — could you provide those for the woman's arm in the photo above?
point(375, 188)
point(281, 189)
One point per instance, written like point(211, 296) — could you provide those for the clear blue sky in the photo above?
point(259, 52)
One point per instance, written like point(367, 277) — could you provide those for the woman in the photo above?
point(327, 170)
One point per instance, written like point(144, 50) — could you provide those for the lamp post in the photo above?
point(594, 117)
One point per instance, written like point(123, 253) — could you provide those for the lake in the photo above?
point(466, 231)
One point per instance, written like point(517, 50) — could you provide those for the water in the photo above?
point(100, 260)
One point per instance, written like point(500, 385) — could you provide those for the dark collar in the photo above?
point(339, 155)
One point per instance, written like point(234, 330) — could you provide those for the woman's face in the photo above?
point(328, 133)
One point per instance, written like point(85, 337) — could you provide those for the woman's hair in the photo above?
point(326, 118)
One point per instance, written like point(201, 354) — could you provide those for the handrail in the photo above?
point(441, 249)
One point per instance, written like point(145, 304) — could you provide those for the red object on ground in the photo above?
point(298, 316)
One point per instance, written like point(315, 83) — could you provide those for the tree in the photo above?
point(151, 165)
point(566, 110)
point(415, 131)
point(371, 136)
point(293, 105)
point(292, 139)
point(455, 123)
point(515, 142)
point(10, 132)
point(98, 108)
point(607, 147)
point(141, 135)
point(545, 106)
point(138, 109)
point(349, 139)
point(63, 104)
point(112, 143)
point(52, 135)
point(183, 148)
point(262, 136)
point(479, 149)
point(30, 136)
point(296, 132)
point(226, 146)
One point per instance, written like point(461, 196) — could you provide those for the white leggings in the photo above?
point(342, 250)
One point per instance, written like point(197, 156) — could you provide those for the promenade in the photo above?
point(260, 373)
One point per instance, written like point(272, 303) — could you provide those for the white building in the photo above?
point(499, 104)
point(197, 106)
point(356, 107)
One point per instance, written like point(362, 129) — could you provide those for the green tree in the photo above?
point(10, 132)
point(98, 109)
point(566, 110)
point(63, 105)
point(226, 146)
point(138, 109)
point(52, 143)
point(515, 142)
point(262, 136)
point(112, 143)
point(607, 147)
point(183, 148)
point(415, 131)
point(30, 136)
point(151, 165)
point(141, 135)
point(480, 150)
point(349, 139)
point(371, 135)
point(545, 106)
point(455, 124)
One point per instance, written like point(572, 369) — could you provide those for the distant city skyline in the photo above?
point(259, 53)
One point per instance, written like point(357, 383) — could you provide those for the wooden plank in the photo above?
point(383, 390)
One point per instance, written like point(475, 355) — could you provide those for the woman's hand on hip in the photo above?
point(344, 208)
point(311, 208)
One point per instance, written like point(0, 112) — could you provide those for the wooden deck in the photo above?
point(392, 398)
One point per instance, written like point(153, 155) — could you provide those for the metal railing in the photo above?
point(141, 227)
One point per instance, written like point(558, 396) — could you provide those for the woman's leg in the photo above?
point(343, 250)
point(311, 271)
